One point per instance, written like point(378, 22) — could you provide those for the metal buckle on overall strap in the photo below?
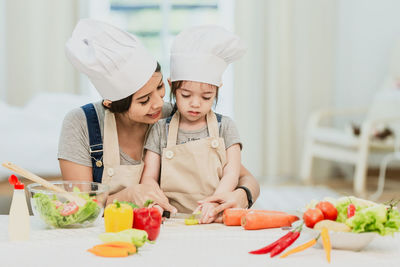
point(96, 148)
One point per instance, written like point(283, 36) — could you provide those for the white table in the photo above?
point(180, 245)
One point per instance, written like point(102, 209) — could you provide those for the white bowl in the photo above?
point(345, 240)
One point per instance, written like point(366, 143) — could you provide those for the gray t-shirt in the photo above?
point(157, 138)
point(73, 144)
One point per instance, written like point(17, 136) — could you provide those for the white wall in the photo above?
point(2, 51)
point(366, 34)
point(34, 58)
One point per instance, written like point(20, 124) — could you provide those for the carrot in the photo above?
point(109, 252)
point(300, 248)
point(113, 249)
point(119, 244)
point(263, 220)
point(326, 242)
point(232, 217)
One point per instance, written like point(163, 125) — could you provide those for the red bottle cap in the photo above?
point(14, 181)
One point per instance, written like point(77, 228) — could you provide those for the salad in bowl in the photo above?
point(352, 222)
point(57, 211)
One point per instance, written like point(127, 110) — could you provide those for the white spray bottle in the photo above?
point(19, 222)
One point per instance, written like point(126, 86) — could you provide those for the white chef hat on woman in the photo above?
point(202, 54)
point(114, 60)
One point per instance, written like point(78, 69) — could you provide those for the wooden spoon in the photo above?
point(71, 197)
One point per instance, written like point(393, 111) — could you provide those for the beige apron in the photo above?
point(115, 175)
point(192, 171)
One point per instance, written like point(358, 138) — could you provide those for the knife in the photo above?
point(180, 215)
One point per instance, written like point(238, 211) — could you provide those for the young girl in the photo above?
point(198, 150)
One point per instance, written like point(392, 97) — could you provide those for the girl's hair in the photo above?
point(178, 84)
point(124, 104)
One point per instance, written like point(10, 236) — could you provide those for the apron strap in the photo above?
point(111, 146)
point(172, 124)
point(173, 130)
point(168, 120)
point(95, 142)
point(212, 124)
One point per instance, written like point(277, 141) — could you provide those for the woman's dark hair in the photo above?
point(124, 104)
point(178, 84)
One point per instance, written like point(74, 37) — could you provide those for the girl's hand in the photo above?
point(208, 214)
point(227, 200)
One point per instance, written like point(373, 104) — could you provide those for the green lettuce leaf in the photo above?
point(378, 218)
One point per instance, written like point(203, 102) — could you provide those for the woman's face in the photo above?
point(148, 101)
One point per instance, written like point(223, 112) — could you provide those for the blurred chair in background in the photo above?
point(338, 145)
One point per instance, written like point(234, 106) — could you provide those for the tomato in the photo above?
point(312, 216)
point(328, 209)
point(57, 203)
point(69, 209)
point(351, 210)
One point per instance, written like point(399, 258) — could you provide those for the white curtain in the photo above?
point(287, 72)
point(34, 60)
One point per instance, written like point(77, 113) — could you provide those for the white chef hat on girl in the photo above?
point(114, 60)
point(202, 54)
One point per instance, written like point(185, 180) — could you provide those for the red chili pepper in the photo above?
point(283, 244)
point(268, 248)
point(148, 219)
point(351, 210)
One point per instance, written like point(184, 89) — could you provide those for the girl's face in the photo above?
point(148, 101)
point(195, 99)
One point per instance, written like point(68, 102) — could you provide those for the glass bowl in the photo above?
point(57, 211)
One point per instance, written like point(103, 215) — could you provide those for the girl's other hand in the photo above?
point(208, 214)
point(227, 200)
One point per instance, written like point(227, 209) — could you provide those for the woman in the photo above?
point(110, 149)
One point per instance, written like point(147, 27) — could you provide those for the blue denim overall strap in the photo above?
point(168, 120)
point(95, 141)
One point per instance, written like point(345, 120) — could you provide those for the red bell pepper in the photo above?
point(148, 219)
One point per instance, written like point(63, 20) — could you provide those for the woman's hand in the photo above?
point(140, 193)
point(227, 200)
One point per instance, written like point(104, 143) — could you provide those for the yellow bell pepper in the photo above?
point(118, 217)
